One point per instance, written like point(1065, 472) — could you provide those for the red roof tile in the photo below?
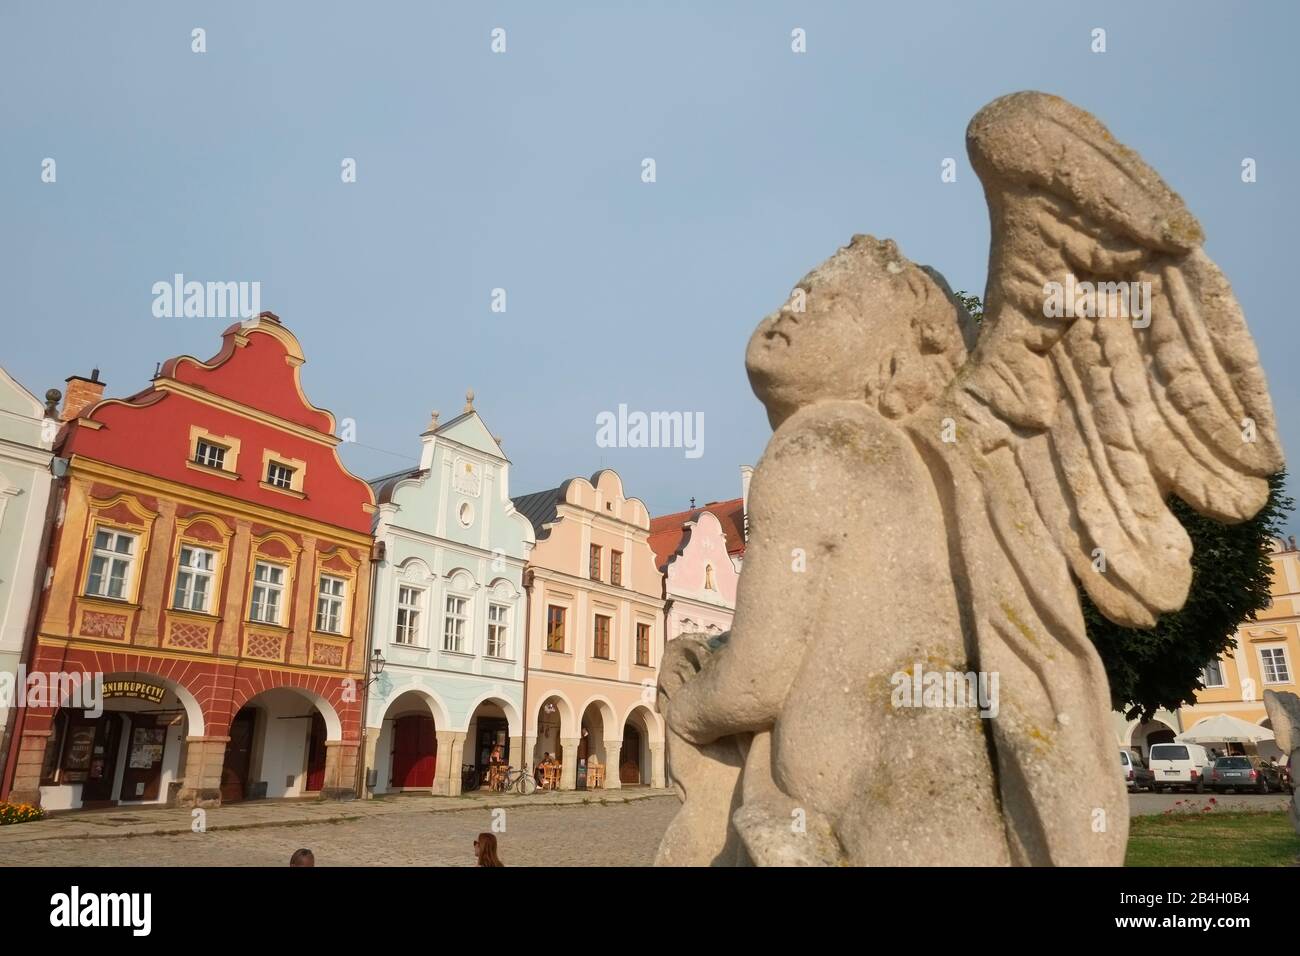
point(667, 531)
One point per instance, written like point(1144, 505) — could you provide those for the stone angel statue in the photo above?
point(1283, 709)
point(928, 500)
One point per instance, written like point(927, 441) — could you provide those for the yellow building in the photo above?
point(1264, 655)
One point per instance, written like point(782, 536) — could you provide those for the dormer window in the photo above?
point(210, 455)
point(282, 473)
point(278, 475)
point(213, 454)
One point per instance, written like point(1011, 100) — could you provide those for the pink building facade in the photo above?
point(700, 577)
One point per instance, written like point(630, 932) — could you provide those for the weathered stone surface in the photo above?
point(929, 501)
point(1283, 709)
point(707, 778)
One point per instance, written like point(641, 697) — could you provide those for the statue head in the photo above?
point(865, 325)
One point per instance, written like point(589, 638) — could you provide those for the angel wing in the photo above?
point(1109, 416)
point(1072, 430)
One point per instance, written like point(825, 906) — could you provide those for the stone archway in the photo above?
point(599, 742)
point(283, 742)
point(1149, 732)
point(119, 739)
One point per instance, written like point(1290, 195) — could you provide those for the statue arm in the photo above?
point(802, 501)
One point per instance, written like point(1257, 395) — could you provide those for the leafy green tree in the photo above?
point(1231, 582)
point(972, 304)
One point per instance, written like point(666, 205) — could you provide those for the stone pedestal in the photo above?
point(372, 749)
point(204, 758)
point(613, 753)
point(446, 776)
point(340, 770)
point(658, 772)
point(27, 769)
point(457, 758)
point(569, 763)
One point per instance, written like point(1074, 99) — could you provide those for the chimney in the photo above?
point(746, 472)
point(81, 394)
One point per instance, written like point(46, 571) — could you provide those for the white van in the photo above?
point(1183, 766)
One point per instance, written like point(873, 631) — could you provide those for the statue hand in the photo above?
point(679, 691)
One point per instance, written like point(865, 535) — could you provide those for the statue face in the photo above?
point(829, 339)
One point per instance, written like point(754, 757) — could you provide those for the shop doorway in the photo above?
point(492, 733)
point(415, 752)
point(146, 745)
point(629, 768)
point(237, 766)
point(278, 746)
point(92, 753)
point(316, 752)
point(131, 751)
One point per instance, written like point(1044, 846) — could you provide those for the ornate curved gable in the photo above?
point(246, 400)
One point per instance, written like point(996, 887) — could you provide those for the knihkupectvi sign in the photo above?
point(138, 690)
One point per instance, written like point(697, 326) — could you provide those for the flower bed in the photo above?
point(19, 813)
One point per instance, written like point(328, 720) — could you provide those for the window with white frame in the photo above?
point(281, 476)
point(329, 604)
point(209, 454)
point(111, 564)
point(195, 573)
point(455, 623)
point(1275, 666)
point(410, 607)
point(268, 592)
point(1212, 676)
point(498, 641)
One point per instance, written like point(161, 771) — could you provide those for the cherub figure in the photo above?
point(929, 499)
point(1283, 708)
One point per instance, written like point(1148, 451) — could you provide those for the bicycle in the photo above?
point(520, 781)
point(469, 778)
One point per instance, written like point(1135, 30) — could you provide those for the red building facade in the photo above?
point(211, 562)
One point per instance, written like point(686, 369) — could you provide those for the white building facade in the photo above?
point(27, 431)
point(449, 615)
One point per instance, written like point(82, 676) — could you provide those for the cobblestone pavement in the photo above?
point(383, 833)
point(553, 830)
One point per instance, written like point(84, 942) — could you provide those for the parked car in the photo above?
point(1179, 767)
point(1244, 773)
point(1136, 776)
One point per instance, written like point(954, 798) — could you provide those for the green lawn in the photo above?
point(1213, 839)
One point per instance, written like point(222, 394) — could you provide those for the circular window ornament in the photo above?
point(466, 514)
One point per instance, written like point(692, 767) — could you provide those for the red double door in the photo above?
point(415, 752)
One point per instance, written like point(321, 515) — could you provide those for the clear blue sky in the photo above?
point(522, 171)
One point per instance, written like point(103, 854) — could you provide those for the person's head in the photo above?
point(303, 857)
point(866, 324)
point(485, 850)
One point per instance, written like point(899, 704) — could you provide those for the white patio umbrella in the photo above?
point(1225, 729)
